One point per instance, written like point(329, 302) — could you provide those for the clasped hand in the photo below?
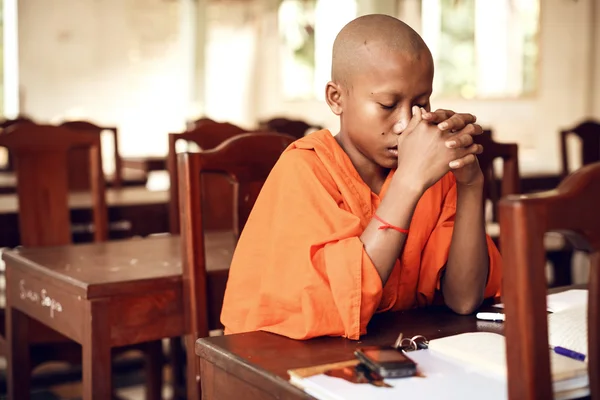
point(436, 142)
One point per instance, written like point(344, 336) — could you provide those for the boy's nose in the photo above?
point(399, 127)
point(403, 122)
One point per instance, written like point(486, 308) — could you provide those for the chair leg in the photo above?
point(153, 355)
point(177, 361)
point(193, 369)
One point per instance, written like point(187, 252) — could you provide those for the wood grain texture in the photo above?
point(247, 160)
point(572, 210)
point(112, 294)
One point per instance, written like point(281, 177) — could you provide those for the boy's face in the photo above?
point(379, 95)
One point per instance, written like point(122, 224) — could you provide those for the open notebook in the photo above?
point(487, 351)
point(568, 328)
point(465, 366)
point(561, 301)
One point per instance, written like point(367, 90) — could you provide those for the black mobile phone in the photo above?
point(387, 361)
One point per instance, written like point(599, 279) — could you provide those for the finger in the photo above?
point(459, 140)
point(461, 162)
point(463, 137)
point(457, 121)
point(437, 116)
point(414, 121)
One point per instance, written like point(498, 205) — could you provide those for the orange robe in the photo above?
point(300, 269)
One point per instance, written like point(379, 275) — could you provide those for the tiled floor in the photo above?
point(73, 392)
point(133, 390)
point(129, 385)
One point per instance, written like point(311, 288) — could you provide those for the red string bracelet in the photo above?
point(387, 225)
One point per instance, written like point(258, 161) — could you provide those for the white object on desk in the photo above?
point(489, 316)
point(564, 300)
point(466, 366)
point(443, 379)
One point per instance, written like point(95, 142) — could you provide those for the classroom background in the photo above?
point(528, 69)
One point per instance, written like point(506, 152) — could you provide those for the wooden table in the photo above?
point(102, 296)
point(132, 211)
point(8, 180)
point(145, 164)
point(254, 365)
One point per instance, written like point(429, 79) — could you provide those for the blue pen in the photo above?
point(568, 353)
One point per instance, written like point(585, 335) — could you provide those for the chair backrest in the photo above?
point(572, 209)
point(41, 163)
point(207, 135)
point(589, 133)
point(79, 171)
point(509, 153)
point(5, 124)
point(198, 122)
point(295, 128)
point(248, 160)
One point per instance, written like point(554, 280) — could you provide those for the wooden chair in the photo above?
point(247, 159)
point(79, 171)
point(207, 135)
point(191, 125)
point(295, 128)
point(40, 154)
point(509, 153)
point(589, 133)
point(5, 124)
point(572, 208)
point(559, 253)
point(41, 162)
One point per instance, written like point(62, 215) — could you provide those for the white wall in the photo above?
point(562, 100)
point(127, 62)
point(120, 62)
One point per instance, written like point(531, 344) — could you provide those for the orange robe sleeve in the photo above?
point(435, 252)
point(299, 268)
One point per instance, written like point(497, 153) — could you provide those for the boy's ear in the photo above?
point(333, 97)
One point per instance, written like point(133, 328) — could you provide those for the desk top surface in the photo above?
point(117, 267)
point(264, 358)
point(8, 179)
point(121, 197)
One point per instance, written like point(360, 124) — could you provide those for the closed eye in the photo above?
point(387, 107)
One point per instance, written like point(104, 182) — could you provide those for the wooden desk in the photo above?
point(254, 365)
point(132, 211)
point(8, 180)
point(145, 164)
point(102, 296)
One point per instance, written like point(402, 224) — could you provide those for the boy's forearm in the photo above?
point(464, 280)
point(397, 208)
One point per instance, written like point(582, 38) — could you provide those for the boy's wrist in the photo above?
point(407, 187)
point(476, 185)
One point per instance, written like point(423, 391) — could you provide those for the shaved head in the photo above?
point(377, 31)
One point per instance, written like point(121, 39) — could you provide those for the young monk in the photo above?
point(386, 215)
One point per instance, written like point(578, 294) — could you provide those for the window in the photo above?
point(297, 32)
point(483, 48)
point(307, 29)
